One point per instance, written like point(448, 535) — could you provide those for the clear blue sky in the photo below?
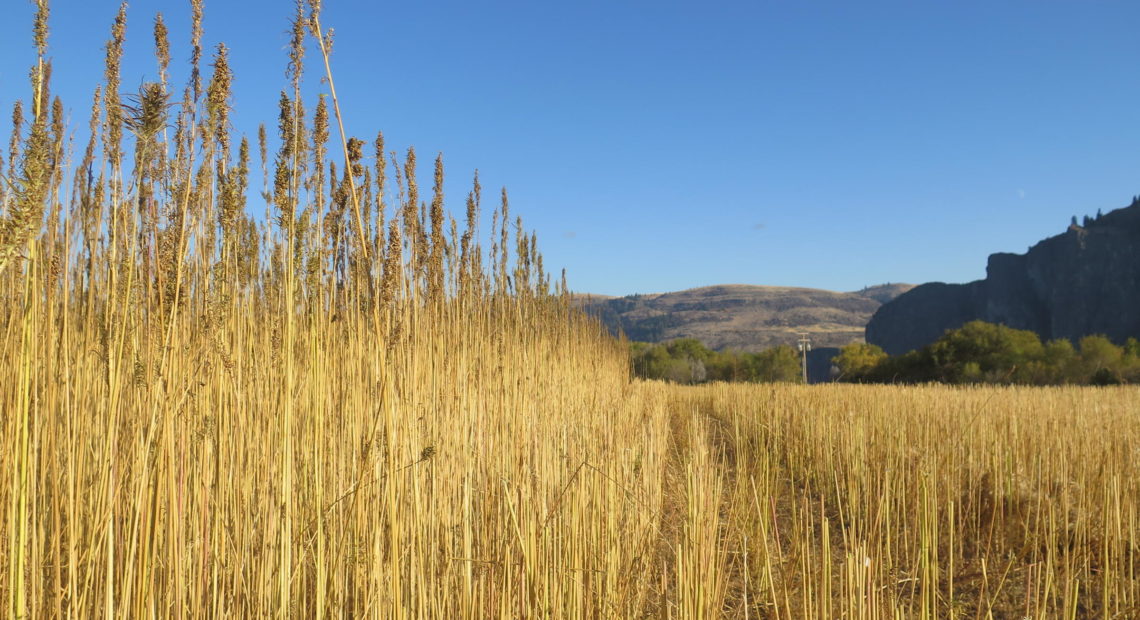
point(663, 145)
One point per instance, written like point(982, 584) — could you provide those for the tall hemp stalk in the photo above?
point(338, 404)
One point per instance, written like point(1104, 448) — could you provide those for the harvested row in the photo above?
point(882, 501)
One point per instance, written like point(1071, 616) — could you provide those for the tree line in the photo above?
point(687, 360)
point(980, 352)
point(977, 352)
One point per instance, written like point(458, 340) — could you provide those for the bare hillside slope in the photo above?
point(744, 317)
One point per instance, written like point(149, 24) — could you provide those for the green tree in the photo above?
point(780, 363)
point(688, 348)
point(1057, 364)
point(726, 366)
point(650, 361)
point(857, 360)
point(1130, 361)
point(1101, 361)
point(679, 361)
point(998, 352)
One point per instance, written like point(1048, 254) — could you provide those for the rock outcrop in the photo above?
point(1084, 281)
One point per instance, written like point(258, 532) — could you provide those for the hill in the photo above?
point(743, 317)
point(1083, 281)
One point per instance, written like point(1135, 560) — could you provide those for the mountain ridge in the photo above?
point(744, 317)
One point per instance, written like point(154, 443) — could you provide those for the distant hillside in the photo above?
point(743, 317)
point(883, 293)
point(1081, 282)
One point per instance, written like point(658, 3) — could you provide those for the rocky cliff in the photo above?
point(1084, 281)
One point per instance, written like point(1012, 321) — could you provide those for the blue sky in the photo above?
point(663, 145)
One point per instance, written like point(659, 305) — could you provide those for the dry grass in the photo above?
point(879, 502)
point(351, 409)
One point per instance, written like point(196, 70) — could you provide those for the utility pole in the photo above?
point(805, 346)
